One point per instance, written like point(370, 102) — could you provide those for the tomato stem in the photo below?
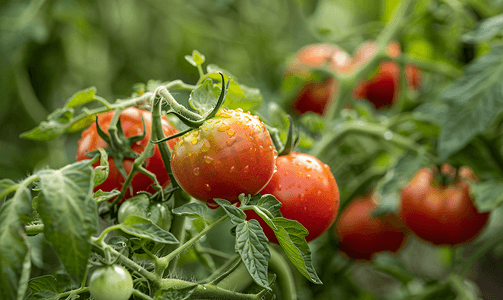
point(279, 265)
point(194, 239)
point(141, 295)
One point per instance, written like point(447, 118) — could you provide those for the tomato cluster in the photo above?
point(361, 235)
point(382, 89)
point(132, 122)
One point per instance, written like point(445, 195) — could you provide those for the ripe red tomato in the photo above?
point(314, 96)
point(361, 236)
point(308, 191)
point(228, 155)
point(131, 122)
point(441, 214)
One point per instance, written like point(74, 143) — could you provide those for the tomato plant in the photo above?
point(142, 206)
point(443, 214)
point(361, 235)
point(228, 155)
point(111, 283)
point(307, 191)
point(65, 217)
point(132, 122)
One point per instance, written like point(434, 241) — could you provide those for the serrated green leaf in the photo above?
point(144, 228)
point(81, 97)
point(252, 246)
point(271, 204)
point(488, 194)
point(69, 213)
point(395, 179)
point(474, 101)
point(192, 209)
point(101, 196)
point(242, 96)
point(291, 236)
point(46, 295)
point(14, 247)
point(204, 98)
point(236, 215)
point(79, 124)
point(485, 30)
point(101, 171)
point(393, 266)
point(42, 283)
point(55, 125)
point(7, 186)
point(175, 293)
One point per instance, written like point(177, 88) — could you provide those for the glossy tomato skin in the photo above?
point(131, 122)
point(228, 155)
point(111, 283)
point(141, 206)
point(314, 96)
point(308, 192)
point(441, 214)
point(361, 236)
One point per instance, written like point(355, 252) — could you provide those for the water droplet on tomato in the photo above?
point(233, 168)
point(205, 146)
point(299, 174)
point(318, 193)
point(196, 171)
point(208, 159)
point(193, 141)
point(207, 187)
point(308, 176)
point(230, 132)
point(231, 141)
point(279, 187)
point(246, 169)
point(223, 127)
point(195, 133)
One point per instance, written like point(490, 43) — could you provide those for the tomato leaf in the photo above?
point(141, 227)
point(69, 213)
point(56, 124)
point(44, 283)
point(488, 194)
point(474, 101)
point(81, 97)
point(271, 204)
point(291, 236)
point(15, 263)
point(485, 30)
point(175, 293)
point(204, 98)
point(45, 294)
point(192, 209)
point(7, 186)
point(252, 246)
point(101, 196)
point(101, 171)
point(236, 215)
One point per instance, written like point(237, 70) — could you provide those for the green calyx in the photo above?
point(119, 145)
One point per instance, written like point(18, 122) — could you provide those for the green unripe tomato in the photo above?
point(111, 283)
point(142, 206)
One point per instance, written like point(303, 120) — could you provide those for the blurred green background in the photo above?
point(51, 49)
